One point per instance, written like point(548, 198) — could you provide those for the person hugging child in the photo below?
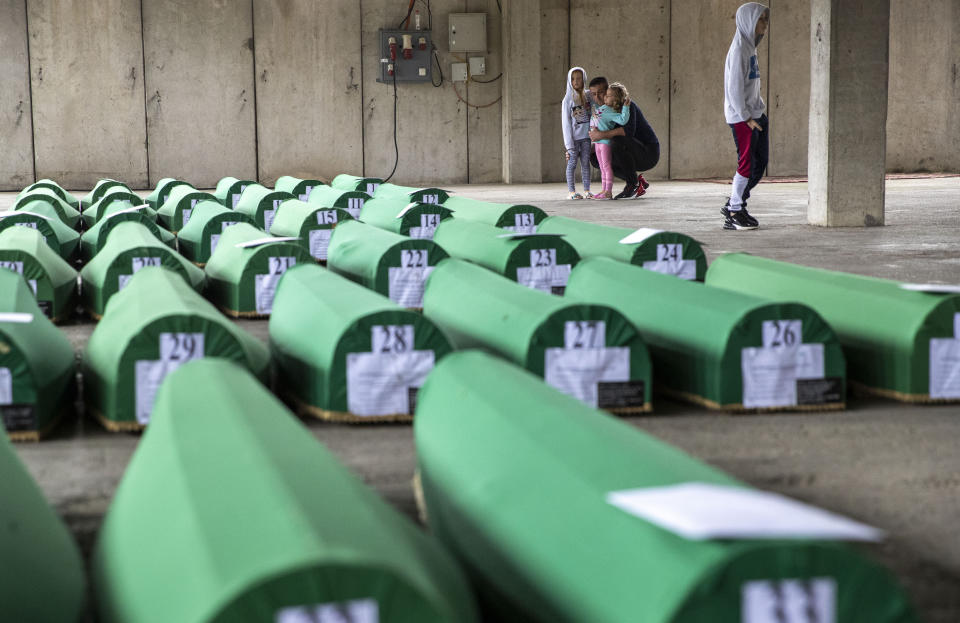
point(614, 112)
point(575, 118)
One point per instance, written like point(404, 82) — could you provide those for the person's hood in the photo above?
point(570, 91)
point(747, 16)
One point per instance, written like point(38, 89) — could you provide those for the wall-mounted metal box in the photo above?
point(468, 32)
point(408, 53)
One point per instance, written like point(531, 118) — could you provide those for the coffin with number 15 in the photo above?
point(311, 223)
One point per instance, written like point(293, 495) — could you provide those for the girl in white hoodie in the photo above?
point(575, 114)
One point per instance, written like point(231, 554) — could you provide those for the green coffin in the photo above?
point(101, 187)
point(515, 481)
point(299, 188)
point(329, 197)
point(199, 238)
point(260, 203)
point(309, 222)
point(157, 323)
point(30, 201)
point(130, 248)
point(244, 271)
point(52, 280)
point(393, 265)
point(228, 191)
point(417, 220)
point(175, 212)
point(664, 252)
point(159, 195)
point(366, 357)
point(96, 237)
point(37, 374)
point(539, 261)
point(59, 190)
point(41, 580)
point(722, 349)
point(112, 200)
point(62, 239)
point(518, 218)
point(368, 185)
point(411, 194)
point(273, 529)
point(588, 351)
point(899, 343)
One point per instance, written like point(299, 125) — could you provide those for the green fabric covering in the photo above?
point(310, 222)
point(41, 580)
point(260, 203)
point(59, 190)
point(368, 185)
point(396, 214)
point(228, 191)
point(658, 252)
point(299, 188)
point(142, 338)
point(94, 238)
point(329, 197)
point(357, 359)
point(115, 207)
point(515, 481)
point(536, 261)
point(411, 194)
point(159, 195)
point(113, 199)
point(275, 524)
point(720, 348)
point(393, 265)
point(175, 212)
point(101, 187)
point(30, 201)
point(585, 350)
point(243, 280)
point(887, 332)
point(37, 365)
point(41, 216)
point(130, 247)
point(197, 240)
point(520, 218)
point(52, 280)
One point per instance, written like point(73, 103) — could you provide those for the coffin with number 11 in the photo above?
point(159, 194)
point(300, 188)
point(228, 191)
point(260, 204)
point(175, 212)
point(368, 185)
point(95, 238)
point(329, 197)
point(417, 220)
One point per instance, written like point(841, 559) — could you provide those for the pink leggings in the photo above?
point(606, 166)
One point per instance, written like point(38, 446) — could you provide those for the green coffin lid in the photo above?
point(244, 271)
point(150, 328)
point(113, 199)
point(101, 187)
point(37, 373)
point(230, 510)
point(520, 218)
point(329, 197)
point(899, 343)
point(393, 265)
point(52, 280)
point(228, 191)
point(64, 211)
point(175, 212)
point(657, 250)
point(160, 193)
point(536, 261)
point(116, 207)
point(411, 194)
point(299, 188)
point(260, 204)
point(344, 352)
point(130, 247)
point(197, 240)
point(41, 579)
point(588, 351)
point(310, 222)
point(42, 217)
point(72, 201)
point(368, 185)
point(396, 214)
point(721, 349)
point(94, 238)
point(515, 479)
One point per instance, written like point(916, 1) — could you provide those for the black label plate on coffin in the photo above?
point(18, 418)
point(819, 391)
point(412, 398)
point(621, 394)
point(46, 307)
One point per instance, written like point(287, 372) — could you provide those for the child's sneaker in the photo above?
point(747, 217)
point(589, 195)
point(738, 220)
point(574, 195)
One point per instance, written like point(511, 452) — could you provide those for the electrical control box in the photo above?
point(405, 55)
point(468, 32)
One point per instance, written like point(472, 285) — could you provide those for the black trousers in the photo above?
point(629, 156)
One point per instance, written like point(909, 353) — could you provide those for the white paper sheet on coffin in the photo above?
point(700, 511)
point(640, 235)
point(933, 288)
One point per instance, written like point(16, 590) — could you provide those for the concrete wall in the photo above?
point(16, 125)
point(788, 77)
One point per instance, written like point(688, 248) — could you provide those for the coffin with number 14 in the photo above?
point(414, 219)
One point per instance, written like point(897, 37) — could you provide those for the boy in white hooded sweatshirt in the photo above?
point(745, 112)
point(575, 113)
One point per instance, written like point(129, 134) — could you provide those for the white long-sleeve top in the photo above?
point(741, 76)
point(575, 111)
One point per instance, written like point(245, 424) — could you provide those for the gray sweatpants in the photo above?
point(580, 153)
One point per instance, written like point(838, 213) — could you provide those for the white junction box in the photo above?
point(458, 72)
point(478, 65)
point(468, 32)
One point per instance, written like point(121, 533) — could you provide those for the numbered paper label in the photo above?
point(193, 203)
point(320, 243)
point(355, 611)
point(782, 333)
point(524, 223)
point(327, 217)
point(670, 262)
point(385, 380)
point(268, 218)
point(354, 205)
point(372, 188)
point(187, 213)
point(6, 386)
point(181, 346)
point(945, 364)
point(428, 227)
point(579, 334)
point(142, 262)
point(543, 257)
point(266, 285)
point(432, 198)
point(236, 200)
point(16, 267)
point(544, 273)
point(30, 225)
point(790, 601)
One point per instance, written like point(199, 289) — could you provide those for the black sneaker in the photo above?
point(725, 211)
point(738, 220)
point(628, 192)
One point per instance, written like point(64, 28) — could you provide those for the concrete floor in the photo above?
point(893, 466)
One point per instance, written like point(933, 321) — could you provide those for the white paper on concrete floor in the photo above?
point(380, 383)
point(702, 511)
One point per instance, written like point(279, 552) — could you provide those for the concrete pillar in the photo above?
point(522, 93)
point(848, 111)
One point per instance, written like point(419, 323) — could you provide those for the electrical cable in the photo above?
point(405, 23)
point(500, 75)
point(499, 8)
point(396, 144)
point(474, 105)
point(436, 58)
